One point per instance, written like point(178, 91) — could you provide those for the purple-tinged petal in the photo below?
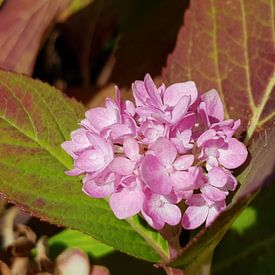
point(130, 107)
point(196, 200)
point(180, 109)
point(212, 215)
point(120, 131)
point(217, 177)
point(176, 91)
point(234, 155)
point(214, 211)
point(161, 211)
point(103, 145)
point(231, 183)
point(131, 148)
point(165, 151)
point(122, 166)
point(182, 181)
point(188, 122)
point(213, 193)
point(171, 213)
point(152, 91)
point(140, 93)
point(199, 177)
point(74, 172)
point(184, 162)
point(214, 106)
point(100, 118)
point(128, 202)
point(202, 111)
point(194, 216)
point(206, 136)
point(78, 143)
point(100, 187)
point(90, 161)
point(154, 175)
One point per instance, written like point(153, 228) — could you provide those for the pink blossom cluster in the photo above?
point(171, 147)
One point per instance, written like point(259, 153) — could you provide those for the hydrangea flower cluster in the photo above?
point(171, 146)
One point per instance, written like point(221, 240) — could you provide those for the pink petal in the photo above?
point(194, 216)
point(165, 151)
point(160, 210)
point(139, 92)
point(196, 200)
point(119, 131)
point(97, 189)
point(180, 109)
point(214, 212)
point(234, 156)
point(74, 172)
point(217, 177)
point(232, 183)
point(171, 214)
point(100, 143)
point(182, 181)
point(206, 136)
point(213, 194)
point(122, 166)
point(131, 148)
point(214, 106)
point(127, 202)
point(100, 118)
point(153, 174)
point(152, 90)
point(79, 142)
point(202, 111)
point(175, 92)
point(130, 107)
point(183, 162)
point(90, 161)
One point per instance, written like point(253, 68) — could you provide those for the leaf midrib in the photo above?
point(255, 120)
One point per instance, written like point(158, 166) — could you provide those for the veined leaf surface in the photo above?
point(230, 46)
point(34, 120)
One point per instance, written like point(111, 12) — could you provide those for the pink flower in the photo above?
point(100, 185)
point(165, 105)
point(126, 165)
point(78, 144)
point(151, 130)
point(115, 120)
point(157, 168)
point(214, 190)
point(127, 201)
point(169, 147)
point(95, 158)
point(211, 108)
point(216, 150)
point(157, 210)
point(200, 210)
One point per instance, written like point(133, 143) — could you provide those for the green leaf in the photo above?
point(255, 231)
point(256, 174)
point(34, 120)
point(229, 46)
point(72, 238)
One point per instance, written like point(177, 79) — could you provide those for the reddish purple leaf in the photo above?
point(22, 27)
point(229, 45)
